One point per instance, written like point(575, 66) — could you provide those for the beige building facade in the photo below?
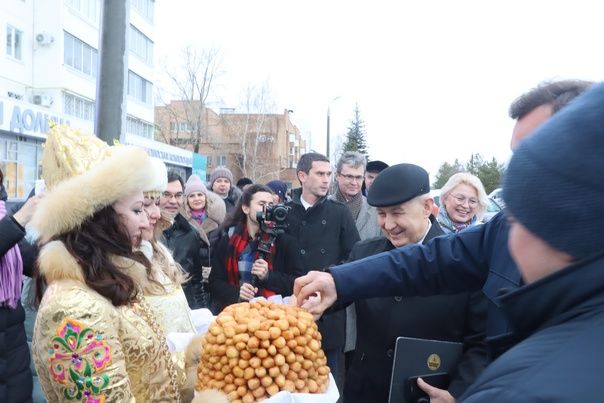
point(262, 147)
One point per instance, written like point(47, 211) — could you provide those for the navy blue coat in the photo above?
point(472, 259)
point(560, 361)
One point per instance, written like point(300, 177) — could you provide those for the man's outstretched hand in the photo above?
point(315, 292)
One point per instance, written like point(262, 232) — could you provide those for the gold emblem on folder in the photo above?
point(433, 362)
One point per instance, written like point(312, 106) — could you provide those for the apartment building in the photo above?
point(261, 146)
point(49, 64)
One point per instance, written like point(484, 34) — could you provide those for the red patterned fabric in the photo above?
point(238, 240)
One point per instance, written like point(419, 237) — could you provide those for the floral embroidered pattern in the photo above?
point(77, 357)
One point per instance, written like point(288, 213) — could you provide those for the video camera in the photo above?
point(273, 219)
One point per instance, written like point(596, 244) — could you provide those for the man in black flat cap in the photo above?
point(401, 195)
point(372, 170)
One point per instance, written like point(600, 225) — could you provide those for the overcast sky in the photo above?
point(433, 79)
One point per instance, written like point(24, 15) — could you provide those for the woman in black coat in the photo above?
point(240, 271)
point(17, 258)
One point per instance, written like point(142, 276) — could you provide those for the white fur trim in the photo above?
point(74, 200)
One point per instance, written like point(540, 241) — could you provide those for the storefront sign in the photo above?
point(16, 117)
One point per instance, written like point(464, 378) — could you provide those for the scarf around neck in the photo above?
point(199, 215)
point(238, 241)
point(354, 204)
point(11, 272)
point(448, 225)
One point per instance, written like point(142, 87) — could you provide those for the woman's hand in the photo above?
point(27, 210)
point(247, 292)
point(260, 269)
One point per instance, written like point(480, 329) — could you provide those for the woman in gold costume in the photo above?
point(163, 290)
point(96, 338)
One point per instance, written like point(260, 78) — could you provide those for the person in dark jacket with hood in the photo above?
point(552, 187)
point(17, 257)
point(404, 207)
point(240, 271)
point(185, 243)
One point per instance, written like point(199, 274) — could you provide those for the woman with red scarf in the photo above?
point(239, 271)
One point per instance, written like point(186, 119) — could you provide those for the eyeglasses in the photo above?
point(461, 200)
point(168, 195)
point(351, 178)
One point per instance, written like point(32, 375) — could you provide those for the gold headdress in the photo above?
point(68, 152)
point(85, 175)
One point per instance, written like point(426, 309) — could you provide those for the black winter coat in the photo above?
point(459, 318)
point(15, 375)
point(326, 233)
point(191, 252)
point(287, 266)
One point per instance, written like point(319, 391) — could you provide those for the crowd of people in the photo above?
point(359, 244)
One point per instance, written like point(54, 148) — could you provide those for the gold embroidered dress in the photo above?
point(85, 349)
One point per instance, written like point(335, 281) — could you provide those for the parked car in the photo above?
point(497, 195)
point(492, 208)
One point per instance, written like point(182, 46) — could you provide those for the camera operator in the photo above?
point(253, 256)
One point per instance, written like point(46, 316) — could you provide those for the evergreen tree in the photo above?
point(490, 173)
point(355, 138)
point(445, 171)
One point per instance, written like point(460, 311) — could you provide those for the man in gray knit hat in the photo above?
point(221, 183)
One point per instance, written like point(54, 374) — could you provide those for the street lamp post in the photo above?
point(328, 125)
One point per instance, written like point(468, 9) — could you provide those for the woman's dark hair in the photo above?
point(237, 216)
point(94, 245)
point(1, 177)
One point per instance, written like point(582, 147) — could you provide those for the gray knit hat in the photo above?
point(553, 185)
point(220, 172)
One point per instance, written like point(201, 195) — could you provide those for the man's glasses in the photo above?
point(351, 178)
point(461, 200)
point(168, 195)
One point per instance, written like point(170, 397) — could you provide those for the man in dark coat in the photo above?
point(326, 233)
point(401, 196)
point(470, 260)
point(15, 373)
point(185, 243)
point(552, 187)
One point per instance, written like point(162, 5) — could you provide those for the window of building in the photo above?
point(145, 8)
point(80, 55)
point(77, 106)
point(89, 9)
point(14, 42)
point(221, 160)
point(19, 163)
point(139, 88)
point(140, 45)
point(139, 127)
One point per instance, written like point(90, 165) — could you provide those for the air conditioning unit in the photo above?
point(43, 100)
point(44, 38)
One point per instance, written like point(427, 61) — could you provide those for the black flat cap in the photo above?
point(376, 166)
point(398, 184)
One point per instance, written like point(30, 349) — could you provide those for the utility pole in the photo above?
point(109, 123)
point(328, 126)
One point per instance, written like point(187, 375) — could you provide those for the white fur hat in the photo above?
point(129, 169)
